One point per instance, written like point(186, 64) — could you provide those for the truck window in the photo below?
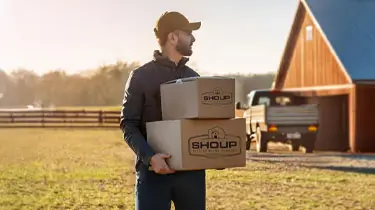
point(264, 100)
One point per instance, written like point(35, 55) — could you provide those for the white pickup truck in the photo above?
point(280, 116)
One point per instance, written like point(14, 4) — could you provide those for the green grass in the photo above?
point(93, 169)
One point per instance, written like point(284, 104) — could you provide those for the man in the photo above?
point(157, 184)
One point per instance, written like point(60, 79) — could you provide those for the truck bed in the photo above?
point(286, 115)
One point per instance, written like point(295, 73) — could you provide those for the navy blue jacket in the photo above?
point(141, 102)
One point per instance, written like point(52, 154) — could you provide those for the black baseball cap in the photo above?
point(171, 21)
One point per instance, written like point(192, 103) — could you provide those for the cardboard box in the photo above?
point(198, 98)
point(200, 144)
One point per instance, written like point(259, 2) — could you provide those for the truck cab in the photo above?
point(280, 116)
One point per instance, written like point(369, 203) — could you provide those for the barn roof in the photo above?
point(349, 28)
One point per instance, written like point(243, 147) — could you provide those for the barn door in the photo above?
point(334, 125)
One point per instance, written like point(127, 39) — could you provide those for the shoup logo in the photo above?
point(216, 143)
point(217, 96)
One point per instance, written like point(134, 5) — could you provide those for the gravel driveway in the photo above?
point(278, 153)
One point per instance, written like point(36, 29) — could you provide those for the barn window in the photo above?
point(309, 33)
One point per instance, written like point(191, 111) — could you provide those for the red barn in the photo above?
point(330, 57)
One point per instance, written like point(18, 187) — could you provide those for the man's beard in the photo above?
point(184, 49)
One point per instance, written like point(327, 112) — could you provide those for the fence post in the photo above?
point(42, 118)
point(100, 117)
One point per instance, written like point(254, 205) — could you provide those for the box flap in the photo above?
point(189, 79)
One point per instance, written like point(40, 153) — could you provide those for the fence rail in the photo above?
point(59, 118)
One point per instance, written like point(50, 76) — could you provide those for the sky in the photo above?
point(238, 36)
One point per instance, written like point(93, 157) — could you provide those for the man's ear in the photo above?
point(172, 37)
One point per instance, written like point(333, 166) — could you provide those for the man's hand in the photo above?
point(159, 165)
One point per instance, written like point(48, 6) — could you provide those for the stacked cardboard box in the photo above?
point(199, 128)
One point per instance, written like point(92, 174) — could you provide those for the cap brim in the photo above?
point(194, 26)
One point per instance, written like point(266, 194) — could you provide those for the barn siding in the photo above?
point(364, 140)
point(312, 63)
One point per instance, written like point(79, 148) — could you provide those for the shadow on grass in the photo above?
point(350, 169)
point(323, 161)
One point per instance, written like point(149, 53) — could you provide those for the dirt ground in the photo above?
point(280, 153)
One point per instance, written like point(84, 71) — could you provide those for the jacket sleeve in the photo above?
point(130, 119)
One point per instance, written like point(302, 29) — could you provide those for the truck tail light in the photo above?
point(312, 128)
point(272, 128)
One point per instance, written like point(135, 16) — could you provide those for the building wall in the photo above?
point(364, 139)
point(312, 63)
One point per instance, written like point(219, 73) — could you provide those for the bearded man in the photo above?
point(157, 185)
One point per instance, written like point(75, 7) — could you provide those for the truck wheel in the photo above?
point(295, 146)
point(248, 142)
point(309, 143)
point(261, 142)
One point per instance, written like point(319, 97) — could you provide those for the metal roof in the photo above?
point(349, 26)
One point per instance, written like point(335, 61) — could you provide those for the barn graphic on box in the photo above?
point(216, 143)
point(216, 97)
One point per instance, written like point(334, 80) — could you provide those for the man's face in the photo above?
point(184, 42)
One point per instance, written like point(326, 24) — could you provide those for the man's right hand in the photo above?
point(159, 165)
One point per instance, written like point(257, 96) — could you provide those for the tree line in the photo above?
point(103, 86)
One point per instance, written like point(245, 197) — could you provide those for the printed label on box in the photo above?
point(216, 97)
point(217, 143)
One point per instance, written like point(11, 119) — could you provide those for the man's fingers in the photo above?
point(164, 170)
point(162, 167)
point(169, 170)
point(165, 155)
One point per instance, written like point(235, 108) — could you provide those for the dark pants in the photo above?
point(186, 189)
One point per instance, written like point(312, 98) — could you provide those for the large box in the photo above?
point(200, 144)
point(198, 98)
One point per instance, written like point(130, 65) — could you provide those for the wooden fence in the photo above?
point(59, 118)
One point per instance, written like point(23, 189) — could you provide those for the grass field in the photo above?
point(93, 169)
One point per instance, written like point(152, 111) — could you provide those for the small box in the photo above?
point(198, 98)
point(200, 144)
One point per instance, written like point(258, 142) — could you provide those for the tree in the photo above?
point(103, 86)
